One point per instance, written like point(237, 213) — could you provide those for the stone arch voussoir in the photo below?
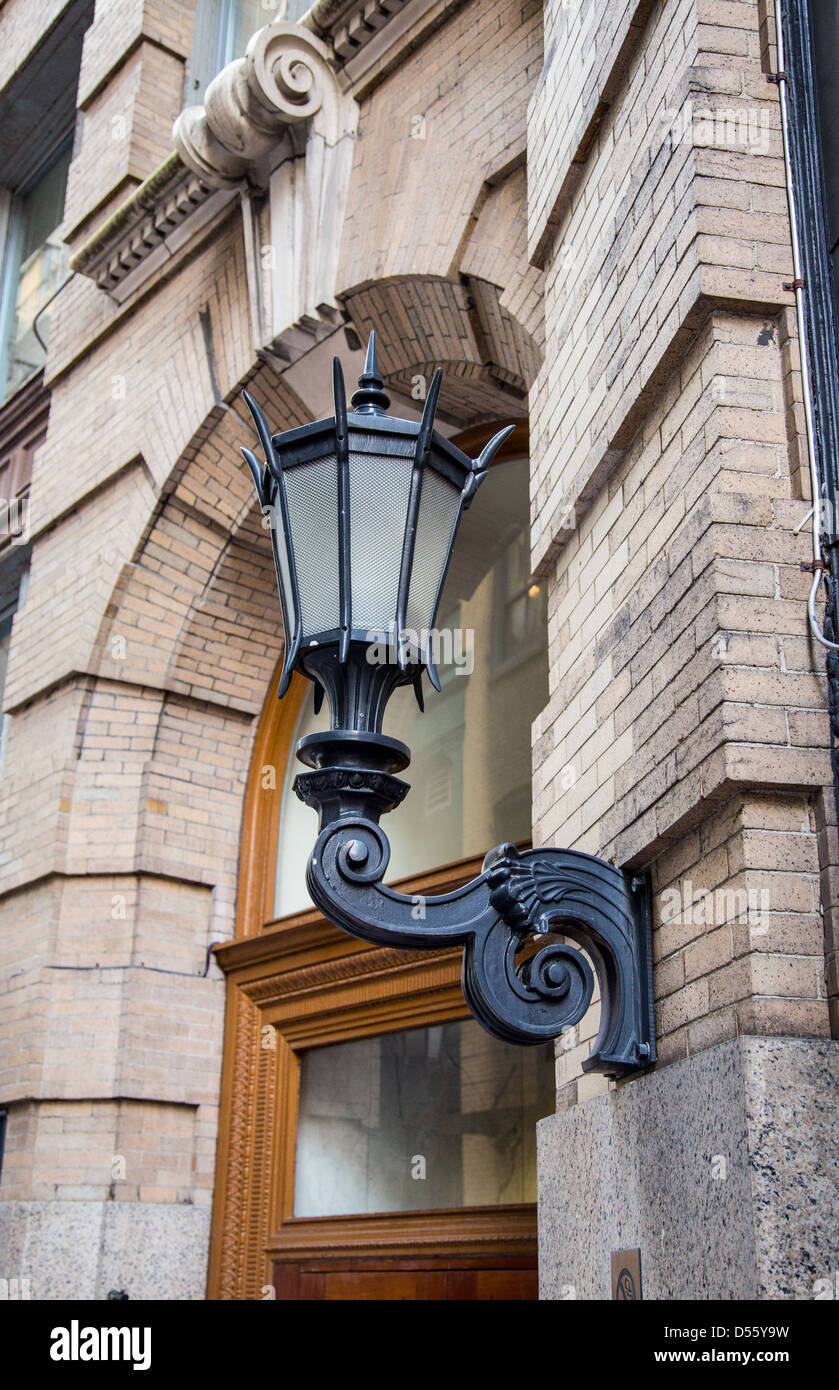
point(489, 358)
point(196, 609)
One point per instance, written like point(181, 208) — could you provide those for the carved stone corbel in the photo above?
point(263, 107)
point(277, 126)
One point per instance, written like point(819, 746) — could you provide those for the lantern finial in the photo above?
point(370, 399)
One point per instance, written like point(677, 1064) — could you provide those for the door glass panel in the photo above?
point(470, 770)
point(420, 1120)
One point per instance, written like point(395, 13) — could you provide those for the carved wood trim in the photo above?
point(261, 816)
point(354, 994)
point(232, 1164)
point(501, 1231)
point(271, 1078)
point(377, 963)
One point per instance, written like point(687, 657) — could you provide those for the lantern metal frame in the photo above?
point(520, 982)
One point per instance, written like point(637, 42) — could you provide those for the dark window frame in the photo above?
point(12, 259)
point(809, 184)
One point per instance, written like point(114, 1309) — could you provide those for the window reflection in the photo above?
point(35, 265)
point(419, 1120)
point(470, 770)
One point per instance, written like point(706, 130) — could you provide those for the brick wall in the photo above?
point(686, 729)
point(144, 651)
point(24, 26)
point(131, 88)
point(426, 146)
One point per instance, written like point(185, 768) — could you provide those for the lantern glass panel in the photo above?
point(379, 489)
point(312, 499)
point(283, 572)
point(470, 784)
point(438, 511)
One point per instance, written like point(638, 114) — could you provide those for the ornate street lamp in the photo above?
point(364, 511)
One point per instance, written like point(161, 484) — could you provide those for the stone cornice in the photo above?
point(369, 38)
point(259, 110)
point(143, 223)
point(349, 25)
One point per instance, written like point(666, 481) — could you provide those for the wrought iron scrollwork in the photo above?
point(520, 989)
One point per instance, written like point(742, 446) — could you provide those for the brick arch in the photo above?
point(477, 308)
point(204, 554)
point(196, 608)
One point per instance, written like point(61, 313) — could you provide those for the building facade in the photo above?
point(579, 209)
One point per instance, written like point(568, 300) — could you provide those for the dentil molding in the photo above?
point(276, 132)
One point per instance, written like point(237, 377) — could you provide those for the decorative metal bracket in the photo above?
point(520, 984)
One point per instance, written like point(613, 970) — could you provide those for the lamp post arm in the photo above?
point(521, 983)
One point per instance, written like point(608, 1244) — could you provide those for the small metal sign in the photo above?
point(626, 1274)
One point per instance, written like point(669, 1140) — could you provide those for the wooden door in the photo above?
point(382, 1280)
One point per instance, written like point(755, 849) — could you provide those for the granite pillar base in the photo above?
point(85, 1249)
point(723, 1169)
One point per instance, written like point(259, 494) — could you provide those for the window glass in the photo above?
point(35, 265)
point(470, 770)
point(420, 1120)
point(221, 33)
point(5, 643)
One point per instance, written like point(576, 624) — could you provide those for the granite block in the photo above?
point(723, 1168)
point(83, 1249)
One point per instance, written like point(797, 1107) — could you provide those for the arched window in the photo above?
point(470, 771)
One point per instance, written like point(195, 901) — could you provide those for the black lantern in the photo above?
point(364, 511)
